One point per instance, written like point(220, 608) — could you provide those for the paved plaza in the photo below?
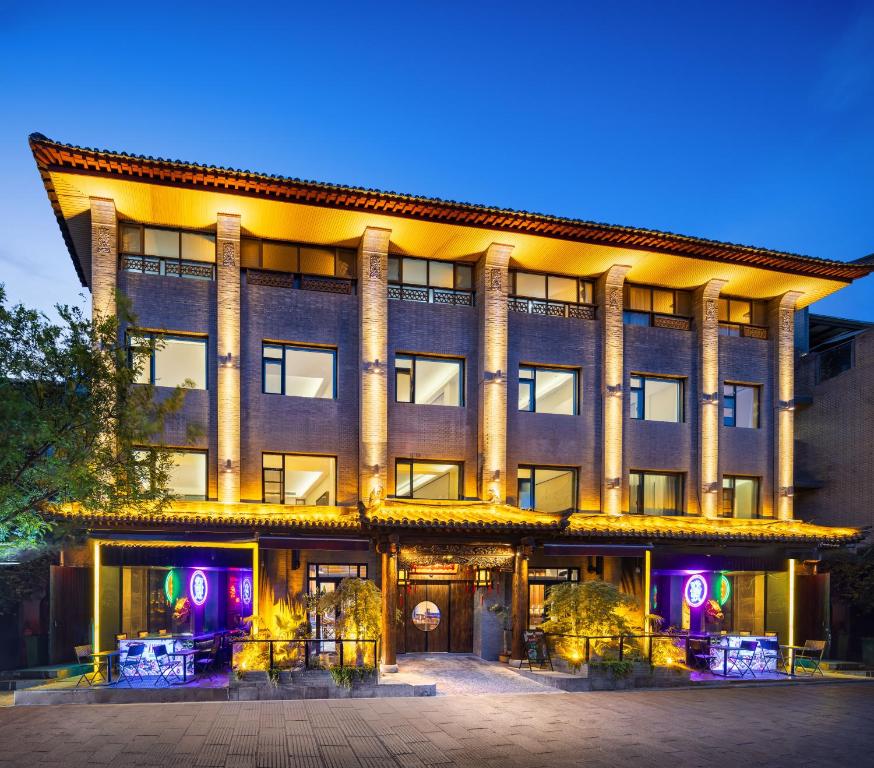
point(823, 725)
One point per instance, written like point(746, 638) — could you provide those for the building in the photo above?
point(464, 403)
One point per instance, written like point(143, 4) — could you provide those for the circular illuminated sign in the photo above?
point(723, 589)
point(426, 616)
point(695, 591)
point(197, 587)
point(246, 590)
point(170, 586)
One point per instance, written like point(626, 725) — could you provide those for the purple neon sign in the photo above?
point(695, 590)
point(246, 590)
point(197, 587)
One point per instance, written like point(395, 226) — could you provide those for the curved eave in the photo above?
point(53, 156)
point(471, 526)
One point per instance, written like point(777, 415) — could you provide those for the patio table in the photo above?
point(789, 662)
point(185, 654)
point(108, 656)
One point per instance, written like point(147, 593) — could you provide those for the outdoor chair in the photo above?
point(93, 669)
point(129, 666)
point(741, 659)
point(166, 665)
point(769, 650)
point(205, 655)
point(809, 658)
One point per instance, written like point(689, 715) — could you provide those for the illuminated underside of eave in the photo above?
point(172, 206)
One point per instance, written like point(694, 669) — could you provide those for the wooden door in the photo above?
point(70, 607)
point(437, 639)
point(461, 617)
point(416, 640)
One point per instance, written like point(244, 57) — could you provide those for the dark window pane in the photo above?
point(464, 277)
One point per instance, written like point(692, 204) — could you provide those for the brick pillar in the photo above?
point(491, 298)
point(389, 553)
point(104, 257)
point(709, 388)
point(519, 603)
point(227, 244)
point(781, 321)
point(610, 303)
point(373, 334)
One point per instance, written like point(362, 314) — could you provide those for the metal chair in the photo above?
point(129, 666)
point(809, 658)
point(741, 659)
point(166, 665)
point(93, 667)
point(769, 650)
point(205, 658)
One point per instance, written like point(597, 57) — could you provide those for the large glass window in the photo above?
point(834, 361)
point(642, 301)
point(449, 275)
point(169, 361)
point(427, 479)
point(282, 256)
point(136, 239)
point(559, 288)
point(547, 489)
point(325, 577)
point(547, 390)
point(740, 497)
point(300, 371)
point(740, 405)
point(299, 479)
point(539, 582)
point(735, 312)
point(651, 493)
point(656, 399)
point(187, 475)
point(429, 380)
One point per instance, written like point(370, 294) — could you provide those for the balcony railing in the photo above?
point(743, 329)
point(321, 283)
point(657, 320)
point(166, 267)
point(426, 295)
point(551, 308)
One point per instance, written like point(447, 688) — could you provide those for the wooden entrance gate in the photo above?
point(454, 631)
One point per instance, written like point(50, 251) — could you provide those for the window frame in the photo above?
point(179, 449)
point(758, 502)
point(259, 241)
point(641, 398)
point(757, 388)
point(846, 343)
point(413, 357)
point(466, 265)
point(154, 336)
point(298, 347)
point(409, 461)
point(729, 327)
point(283, 454)
point(178, 231)
point(534, 368)
point(681, 494)
point(575, 490)
point(581, 281)
point(651, 313)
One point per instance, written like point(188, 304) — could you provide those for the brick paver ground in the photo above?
point(824, 725)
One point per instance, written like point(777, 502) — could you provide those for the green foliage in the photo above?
point(852, 580)
point(344, 677)
point(617, 669)
point(73, 418)
point(25, 581)
point(358, 605)
point(590, 608)
point(273, 676)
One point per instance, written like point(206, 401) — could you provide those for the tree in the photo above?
point(74, 422)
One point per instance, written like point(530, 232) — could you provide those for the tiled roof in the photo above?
point(697, 528)
point(214, 514)
point(51, 155)
point(458, 516)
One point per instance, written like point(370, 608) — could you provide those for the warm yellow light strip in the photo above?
point(95, 641)
point(647, 578)
point(791, 602)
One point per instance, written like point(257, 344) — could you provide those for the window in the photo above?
point(167, 252)
point(299, 371)
point(734, 313)
point(834, 361)
point(547, 390)
point(429, 380)
point(281, 256)
point(655, 494)
point(560, 288)
point(187, 477)
point(326, 578)
point(299, 479)
point(740, 405)
point(168, 361)
point(427, 480)
point(656, 399)
point(539, 582)
point(547, 489)
point(450, 275)
point(740, 497)
point(642, 302)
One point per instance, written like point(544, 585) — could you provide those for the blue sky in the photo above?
point(747, 122)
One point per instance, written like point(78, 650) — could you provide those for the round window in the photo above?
point(426, 616)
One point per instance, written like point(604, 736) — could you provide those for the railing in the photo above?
point(743, 329)
point(166, 267)
point(425, 295)
point(618, 644)
point(551, 308)
point(303, 653)
point(657, 320)
point(322, 283)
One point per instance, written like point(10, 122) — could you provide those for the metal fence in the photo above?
point(639, 646)
point(303, 653)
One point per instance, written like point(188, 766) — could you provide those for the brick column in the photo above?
point(227, 244)
point(610, 303)
point(709, 388)
point(491, 299)
point(373, 334)
point(104, 257)
point(781, 321)
point(389, 553)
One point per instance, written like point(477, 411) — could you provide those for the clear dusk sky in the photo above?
point(751, 122)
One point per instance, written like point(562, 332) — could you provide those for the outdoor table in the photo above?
point(185, 654)
point(108, 656)
point(790, 662)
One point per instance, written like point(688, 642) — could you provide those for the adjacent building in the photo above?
point(463, 403)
